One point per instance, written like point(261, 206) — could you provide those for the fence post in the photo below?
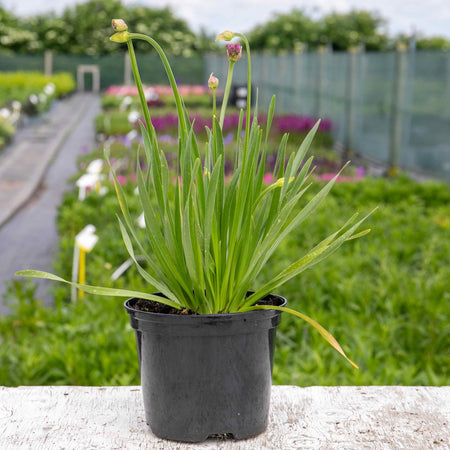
point(126, 69)
point(298, 79)
point(398, 102)
point(48, 63)
point(447, 88)
point(258, 78)
point(281, 81)
point(263, 76)
point(208, 66)
point(321, 54)
point(350, 113)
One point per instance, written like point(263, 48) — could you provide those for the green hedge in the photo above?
point(20, 85)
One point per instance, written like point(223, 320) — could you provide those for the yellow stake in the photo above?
point(85, 241)
point(82, 270)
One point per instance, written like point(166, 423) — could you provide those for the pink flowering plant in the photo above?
point(208, 237)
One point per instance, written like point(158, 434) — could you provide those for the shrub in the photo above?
point(20, 85)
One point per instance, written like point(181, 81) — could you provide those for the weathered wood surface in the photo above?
point(315, 417)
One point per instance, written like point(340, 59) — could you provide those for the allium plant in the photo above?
point(206, 244)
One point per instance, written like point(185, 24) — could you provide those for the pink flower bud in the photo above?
point(234, 52)
point(119, 25)
point(213, 82)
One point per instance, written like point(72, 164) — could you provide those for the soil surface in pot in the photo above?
point(155, 307)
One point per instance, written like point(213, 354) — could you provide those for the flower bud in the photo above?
point(234, 52)
point(225, 36)
point(280, 182)
point(213, 82)
point(119, 25)
point(121, 36)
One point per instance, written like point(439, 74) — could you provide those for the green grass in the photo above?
point(385, 298)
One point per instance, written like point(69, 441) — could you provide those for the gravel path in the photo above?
point(29, 239)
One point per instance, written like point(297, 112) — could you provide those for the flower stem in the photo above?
point(214, 102)
point(170, 75)
point(138, 81)
point(249, 87)
point(226, 93)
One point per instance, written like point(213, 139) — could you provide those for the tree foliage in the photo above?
point(340, 31)
point(286, 32)
point(433, 43)
point(13, 36)
point(84, 27)
point(81, 29)
point(344, 31)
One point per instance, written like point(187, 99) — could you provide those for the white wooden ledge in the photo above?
point(315, 417)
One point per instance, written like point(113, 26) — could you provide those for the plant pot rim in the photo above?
point(203, 318)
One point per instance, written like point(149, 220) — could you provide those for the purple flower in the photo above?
point(125, 140)
point(228, 139)
point(325, 125)
point(168, 138)
point(300, 124)
point(234, 52)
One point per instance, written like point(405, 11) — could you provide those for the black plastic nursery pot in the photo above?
point(206, 375)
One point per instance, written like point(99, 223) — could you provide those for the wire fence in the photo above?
point(392, 107)
point(114, 69)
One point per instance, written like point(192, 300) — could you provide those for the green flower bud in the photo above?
point(119, 25)
point(122, 36)
point(225, 36)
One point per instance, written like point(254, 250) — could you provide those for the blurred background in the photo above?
point(381, 74)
